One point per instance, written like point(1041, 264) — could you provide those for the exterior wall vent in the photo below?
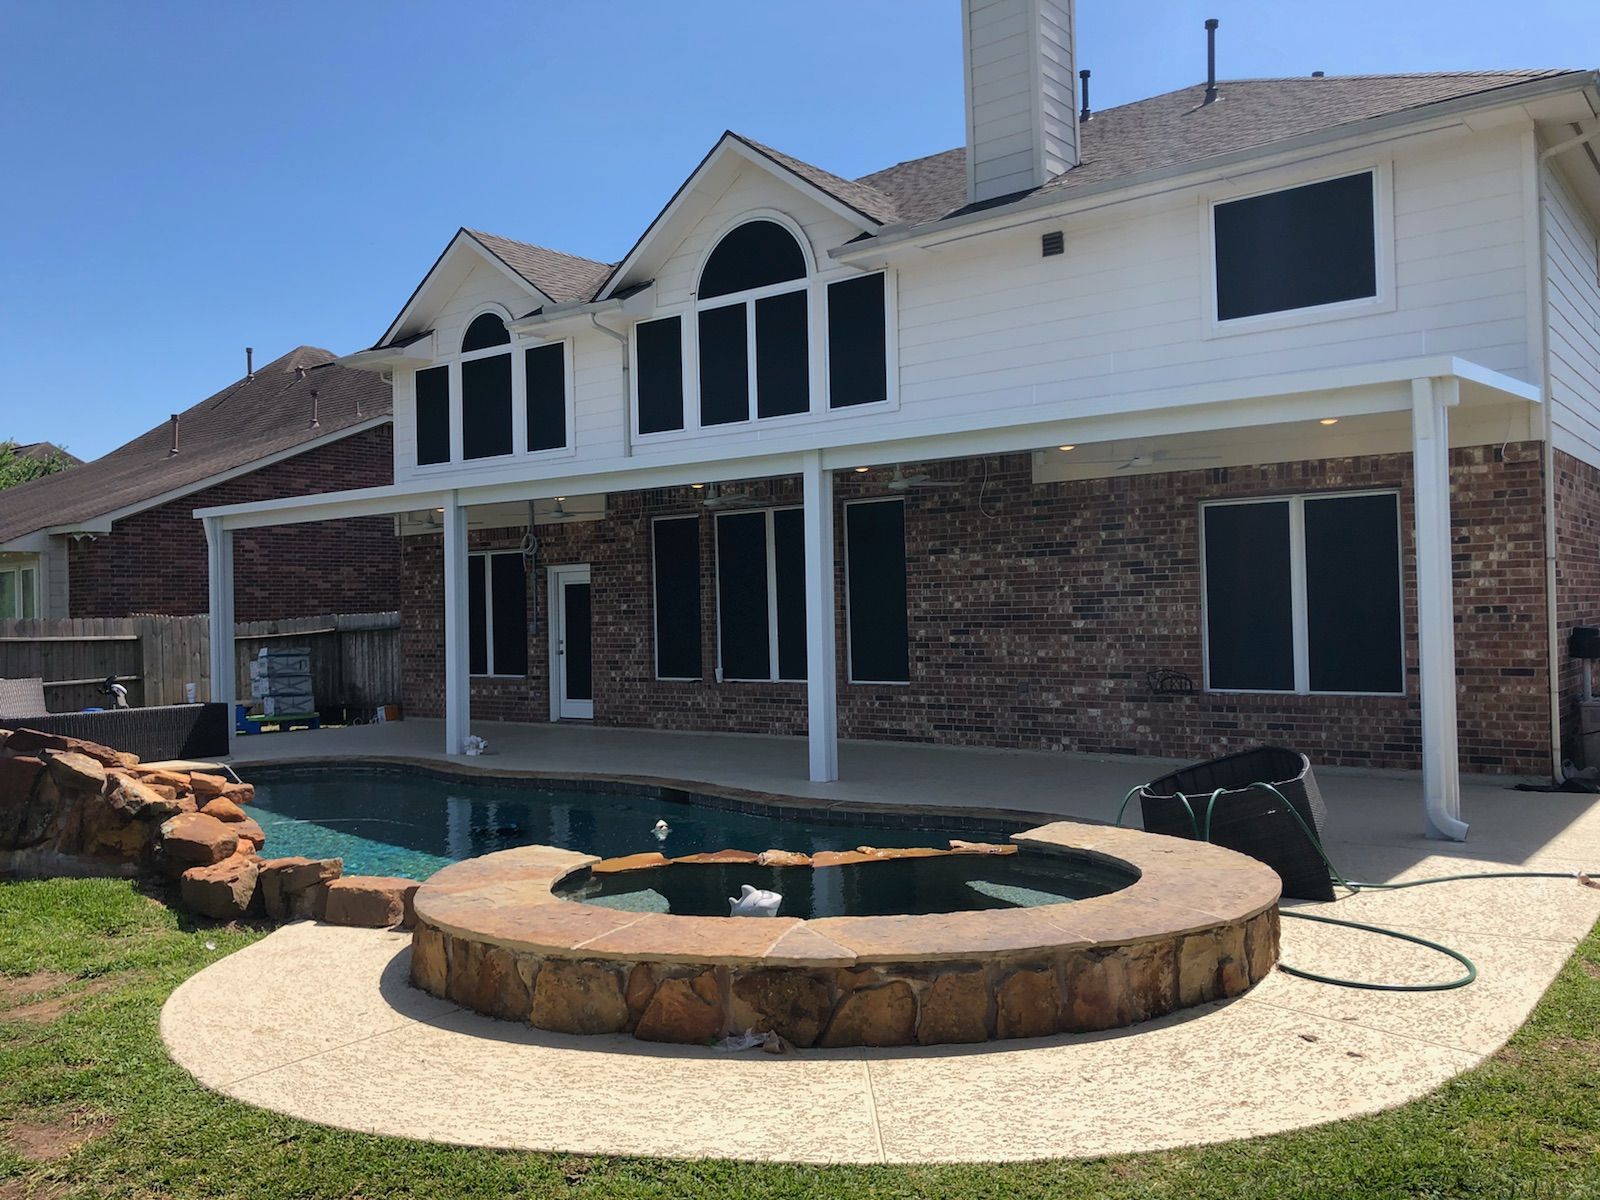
point(1053, 243)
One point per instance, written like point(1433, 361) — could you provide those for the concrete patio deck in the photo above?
point(318, 1022)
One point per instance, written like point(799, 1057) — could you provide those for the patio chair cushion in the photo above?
point(22, 697)
point(1249, 819)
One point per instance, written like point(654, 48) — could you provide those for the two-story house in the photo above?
point(1265, 409)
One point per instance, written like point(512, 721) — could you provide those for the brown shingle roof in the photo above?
point(1176, 128)
point(246, 421)
point(559, 276)
point(43, 450)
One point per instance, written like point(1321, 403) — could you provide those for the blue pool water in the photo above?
point(411, 824)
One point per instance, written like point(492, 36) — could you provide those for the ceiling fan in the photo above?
point(901, 482)
point(1148, 459)
point(559, 512)
point(716, 498)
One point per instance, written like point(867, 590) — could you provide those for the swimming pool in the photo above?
point(411, 822)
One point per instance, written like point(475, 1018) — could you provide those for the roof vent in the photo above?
point(1319, 74)
point(315, 424)
point(173, 449)
point(1053, 243)
point(1211, 59)
point(249, 362)
point(1085, 113)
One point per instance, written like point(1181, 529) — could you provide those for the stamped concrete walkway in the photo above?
point(318, 1022)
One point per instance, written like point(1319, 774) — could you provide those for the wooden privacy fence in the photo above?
point(355, 657)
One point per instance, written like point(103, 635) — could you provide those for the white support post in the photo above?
point(457, 688)
point(1431, 401)
point(822, 688)
point(219, 576)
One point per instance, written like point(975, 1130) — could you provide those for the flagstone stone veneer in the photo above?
point(1200, 923)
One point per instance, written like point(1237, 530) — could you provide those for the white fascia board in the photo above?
point(36, 542)
point(387, 358)
point(1335, 392)
point(103, 522)
point(730, 145)
point(472, 244)
point(1042, 205)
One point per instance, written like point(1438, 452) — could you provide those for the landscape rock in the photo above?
point(223, 809)
point(75, 772)
point(240, 793)
point(719, 856)
point(141, 799)
point(222, 891)
point(26, 817)
point(578, 997)
point(793, 1004)
point(371, 901)
point(641, 986)
point(955, 1009)
point(205, 786)
point(684, 1011)
point(1027, 1004)
point(107, 829)
point(629, 862)
point(879, 1016)
point(485, 979)
point(295, 889)
point(248, 831)
point(34, 742)
point(196, 840)
point(960, 847)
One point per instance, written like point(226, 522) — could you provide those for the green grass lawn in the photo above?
point(90, 1105)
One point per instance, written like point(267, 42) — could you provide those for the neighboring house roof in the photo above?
point(1163, 131)
point(44, 450)
point(247, 421)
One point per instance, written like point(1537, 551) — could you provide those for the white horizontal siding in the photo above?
point(1572, 258)
point(1022, 123)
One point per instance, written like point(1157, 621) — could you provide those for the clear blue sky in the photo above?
point(182, 179)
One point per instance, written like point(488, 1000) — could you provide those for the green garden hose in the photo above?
point(1202, 832)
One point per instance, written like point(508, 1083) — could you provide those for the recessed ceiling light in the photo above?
point(1328, 421)
point(438, 510)
point(561, 499)
point(698, 486)
point(862, 470)
point(1064, 449)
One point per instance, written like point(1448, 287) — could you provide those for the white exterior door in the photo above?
point(571, 644)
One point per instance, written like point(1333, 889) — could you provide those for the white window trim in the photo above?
point(655, 617)
point(772, 592)
point(849, 633)
point(1383, 254)
point(519, 399)
point(19, 590)
point(1297, 584)
point(891, 347)
point(691, 397)
point(488, 614)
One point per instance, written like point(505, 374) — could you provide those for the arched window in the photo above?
point(485, 332)
point(486, 388)
point(753, 321)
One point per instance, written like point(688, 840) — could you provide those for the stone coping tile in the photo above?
point(942, 937)
point(553, 929)
point(658, 937)
point(1132, 920)
point(803, 946)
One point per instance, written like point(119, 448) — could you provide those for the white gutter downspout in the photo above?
point(1545, 155)
point(627, 391)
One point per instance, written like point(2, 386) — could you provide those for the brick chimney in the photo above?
point(1022, 113)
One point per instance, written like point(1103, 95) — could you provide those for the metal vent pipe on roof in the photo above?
point(173, 449)
point(315, 424)
point(249, 362)
point(1084, 113)
point(1211, 59)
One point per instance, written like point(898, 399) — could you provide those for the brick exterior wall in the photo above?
point(1037, 613)
point(1577, 581)
point(155, 561)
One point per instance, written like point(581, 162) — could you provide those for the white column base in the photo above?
point(219, 582)
point(457, 680)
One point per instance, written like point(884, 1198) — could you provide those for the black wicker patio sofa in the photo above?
point(154, 734)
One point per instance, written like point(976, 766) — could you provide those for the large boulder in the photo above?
point(28, 813)
point(107, 829)
point(223, 809)
point(141, 799)
point(35, 742)
point(75, 772)
point(240, 793)
point(222, 891)
point(294, 889)
point(196, 840)
point(249, 832)
point(207, 786)
point(371, 901)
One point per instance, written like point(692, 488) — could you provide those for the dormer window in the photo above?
point(753, 314)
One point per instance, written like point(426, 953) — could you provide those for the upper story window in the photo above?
point(1298, 248)
point(466, 406)
point(751, 345)
point(753, 318)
